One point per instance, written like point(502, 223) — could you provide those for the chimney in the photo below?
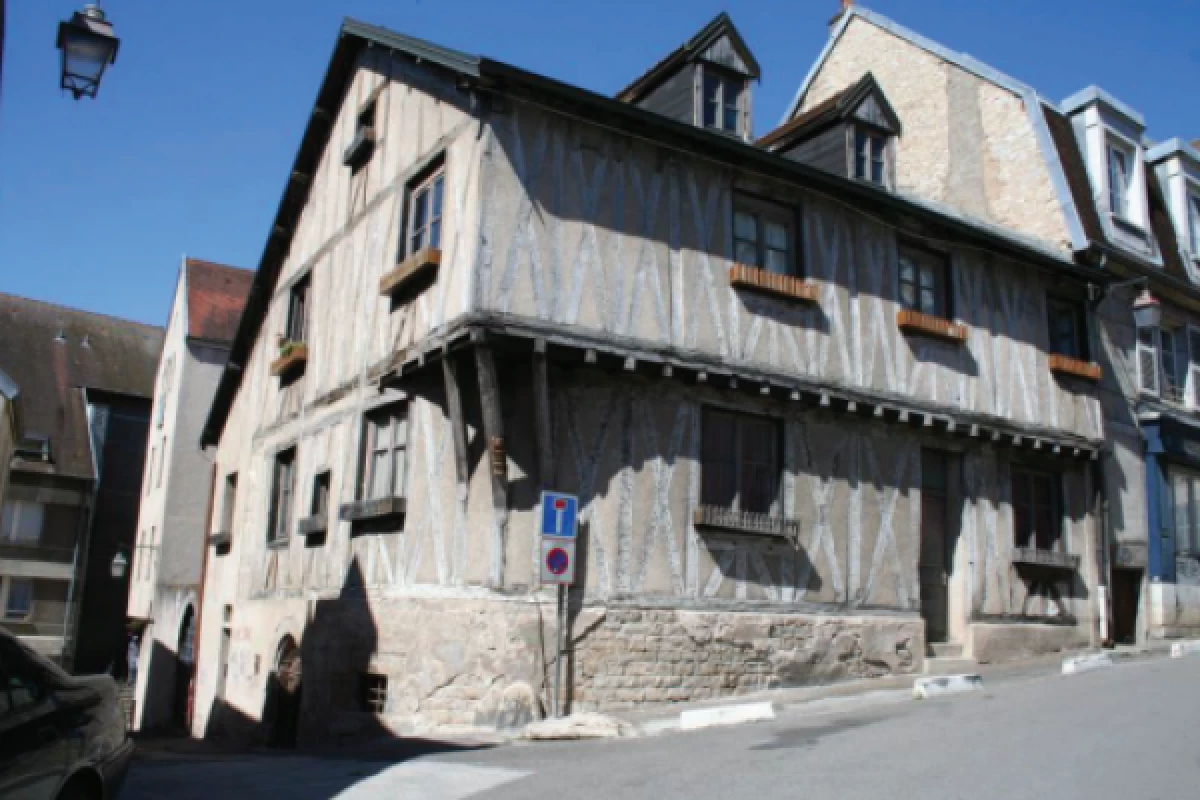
point(846, 5)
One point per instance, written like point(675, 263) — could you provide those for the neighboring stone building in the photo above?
point(1082, 178)
point(802, 413)
point(169, 557)
point(72, 498)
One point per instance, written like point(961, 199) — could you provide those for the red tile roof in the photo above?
point(216, 295)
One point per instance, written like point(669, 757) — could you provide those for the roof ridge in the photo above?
point(73, 310)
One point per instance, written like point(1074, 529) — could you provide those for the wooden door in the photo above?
point(934, 565)
point(286, 686)
point(1126, 589)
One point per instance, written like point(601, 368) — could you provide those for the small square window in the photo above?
point(373, 693)
point(924, 282)
point(764, 236)
point(1067, 327)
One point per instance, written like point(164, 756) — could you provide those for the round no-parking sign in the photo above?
point(558, 560)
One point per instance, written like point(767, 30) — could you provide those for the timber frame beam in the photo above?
point(510, 337)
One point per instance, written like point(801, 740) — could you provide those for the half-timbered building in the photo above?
point(816, 427)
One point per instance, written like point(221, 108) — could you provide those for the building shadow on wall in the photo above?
point(320, 696)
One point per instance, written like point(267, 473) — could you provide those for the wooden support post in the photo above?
point(457, 427)
point(493, 430)
point(543, 428)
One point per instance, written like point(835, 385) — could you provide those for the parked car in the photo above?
point(62, 737)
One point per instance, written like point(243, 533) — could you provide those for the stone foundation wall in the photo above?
point(628, 656)
point(993, 642)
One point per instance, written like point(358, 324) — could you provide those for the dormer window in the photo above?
point(1120, 171)
point(722, 102)
point(870, 154)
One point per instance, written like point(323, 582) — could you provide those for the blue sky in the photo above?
point(186, 148)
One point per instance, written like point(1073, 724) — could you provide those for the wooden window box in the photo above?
point(421, 264)
point(745, 522)
point(373, 509)
point(759, 280)
point(1065, 365)
point(911, 321)
point(1046, 559)
point(315, 524)
point(292, 357)
point(221, 540)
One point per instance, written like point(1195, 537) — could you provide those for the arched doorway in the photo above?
point(283, 694)
point(184, 668)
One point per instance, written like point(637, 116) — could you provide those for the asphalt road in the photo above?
point(1131, 731)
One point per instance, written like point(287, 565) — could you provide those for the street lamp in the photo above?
point(1147, 311)
point(88, 46)
point(119, 564)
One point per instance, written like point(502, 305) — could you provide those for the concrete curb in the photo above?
point(925, 688)
point(1086, 663)
point(1181, 649)
point(725, 715)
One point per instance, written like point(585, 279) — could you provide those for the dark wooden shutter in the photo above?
point(719, 477)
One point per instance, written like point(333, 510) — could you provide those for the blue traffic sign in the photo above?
point(560, 515)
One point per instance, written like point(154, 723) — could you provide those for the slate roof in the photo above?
point(216, 295)
point(834, 108)
point(51, 352)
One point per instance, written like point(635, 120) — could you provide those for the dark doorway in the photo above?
point(283, 695)
point(184, 669)
point(935, 561)
point(1126, 591)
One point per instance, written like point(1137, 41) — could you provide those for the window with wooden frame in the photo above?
point(870, 155)
point(229, 503)
point(741, 467)
point(1185, 498)
point(1037, 509)
point(1120, 178)
point(297, 319)
point(1147, 360)
point(18, 603)
point(385, 445)
point(373, 693)
point(150, 469)
point(423, 227)
point(720, 101)
point(1067, 327)
point(283, 490)
point(1173, 360)
point(764, 236)
point(1194, 224)
point(162, 464)
point(362, 146)
point(22, 522)
point(924, 278)
point(1193, 367)
point(320, 494)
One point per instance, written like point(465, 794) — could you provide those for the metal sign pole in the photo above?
point(558, 644)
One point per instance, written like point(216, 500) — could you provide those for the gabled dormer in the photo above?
point(705, 82)
point(852, 133)
point(1109, 134)
point(1177, 166)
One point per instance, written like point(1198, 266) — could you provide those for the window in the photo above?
point(297, 321)
point(229, 503)
point(924, 282)
point(764, 236)
point(425, 211)
point(1194, 223)
point(1185, 496)
point(320, 494)
point(386, 441)
point(721, 95)
point(1193, 367)
point(22, 522)
point(168, 383)
point(373, 696)
point(283, 485)
point(1068, 329)
point(361, 147)
point(150, 470)
point(741, 466)
point(1173, 358)
point(1120, 169)
point(1037, 518)
point(162, 461)
point(870, 148)
point(1147, 360)
point(18, 605)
